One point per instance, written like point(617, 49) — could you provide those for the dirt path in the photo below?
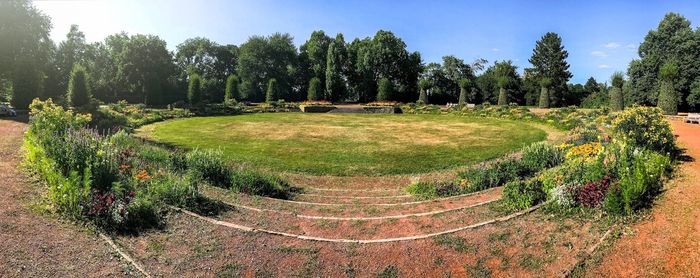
point(34, 246)
point(667, 245)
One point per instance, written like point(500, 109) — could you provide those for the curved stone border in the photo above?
point(361, 241)
point(356, 197)
point(385, 204)
point(361, 218)
point(351, 190)
point(124, 255)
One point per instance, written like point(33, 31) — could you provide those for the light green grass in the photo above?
point(349, 144)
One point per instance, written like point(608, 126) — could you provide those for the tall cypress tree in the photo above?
point(386, 90)
point(502, 94)
point(423, 84)
point(315, 89)
point(194, 90)
point(545, 83)
point(272, 91)
point(549, 61)
point(617, 99)
point(25, 84)
point(668, 96)
point(464, 85)
point(232, 88)
point(78, 94)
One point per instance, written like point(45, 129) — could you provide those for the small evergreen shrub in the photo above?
point(502, 97)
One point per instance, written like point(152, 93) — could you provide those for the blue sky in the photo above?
point(601, 36)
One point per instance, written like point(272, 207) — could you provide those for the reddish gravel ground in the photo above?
point(667, 245)
point(35, 246)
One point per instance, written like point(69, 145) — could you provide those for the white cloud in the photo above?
point(603, 66)
point(631, 46)
point(598, 53)
point(612, 45)
point(495, 49)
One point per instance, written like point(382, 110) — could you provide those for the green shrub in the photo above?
point(210, 166)
point(78, 91)
point(174, 190)
point(255, 183)
point(272, 93)
point(640, 174)
point(232, 91)
point(545, 83)
point(668, 96)
point(616, 99)
point(523, 194)
point(539, 156)
point(644, 127)
point(502, 97)
point(315, 90)
point(386, 90)
point(194, 90)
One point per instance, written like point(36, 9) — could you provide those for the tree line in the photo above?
point(140, 68)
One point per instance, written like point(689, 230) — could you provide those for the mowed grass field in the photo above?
point(348, 144)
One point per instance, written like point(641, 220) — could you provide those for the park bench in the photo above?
point(693, 118)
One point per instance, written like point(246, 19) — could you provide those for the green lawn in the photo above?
point(349, 144)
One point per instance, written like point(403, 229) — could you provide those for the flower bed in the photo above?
point(614, 162)
point(119, 182)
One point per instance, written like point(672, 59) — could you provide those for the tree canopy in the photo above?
point(549, 61)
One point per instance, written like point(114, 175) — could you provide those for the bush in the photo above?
point(210, 166)
point(539, 156)
point(616, 99)
point(426, 190)
point(78, 93)
point(272, 93)
point(544, 98)
point(254, 183)
point(592, 193)
point(668, 98)
point(315, 90)
point(386, 90)
point(502, 97)
point(523, 194)
point(644, 127)
point(194, 90)
point(232, 90)
point(174, 190)
point(640, 173)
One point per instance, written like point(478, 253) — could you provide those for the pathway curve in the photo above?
point(35, 246)
point(667, 245)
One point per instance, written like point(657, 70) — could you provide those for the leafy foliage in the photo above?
point(315, 89)
point(232, 89)
point(386, 90)
point(78, 93)
point(549, 61)
point(194, 90)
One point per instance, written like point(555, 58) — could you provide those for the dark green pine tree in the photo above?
point(549, 60)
